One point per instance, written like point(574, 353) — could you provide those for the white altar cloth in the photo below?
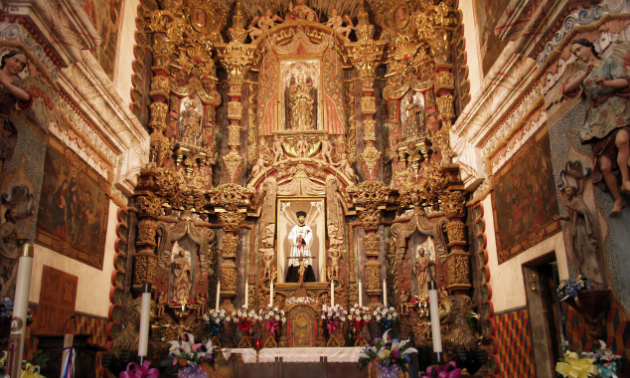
point(345, 354)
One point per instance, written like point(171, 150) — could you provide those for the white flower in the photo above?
point(323, 316)
point(343, 319)
point(349, 317)
point(389, 317)
point(378, 318)
point(391, 309)
point(275, 308)
point(277, 317)
point(366, 317)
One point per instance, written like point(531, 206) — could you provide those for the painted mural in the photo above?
point(525, 201)
point(105, 16)
point(73, 209)
point(488, 14)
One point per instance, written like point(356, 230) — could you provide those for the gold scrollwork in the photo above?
point(146, 232)
point(145, 269)
point(373, 278)
point(230, 245)
point(371, 243)
point(148, 205)
point(455, 231)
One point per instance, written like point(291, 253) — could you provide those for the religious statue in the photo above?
point(201, 300)
point(415, 120)
point(335, 255)
point(237, 32)
point(346, 168)
point(260, 164)
point(301, 12)
point(12, 91)
point(302, 147)
point(10, 241)
point(261, 24)
point(182, 277)
point(278, 151)
point(300, 239)
point(327, 149)
point(267, 259)
point(404, 302)
point(336, 23)
point(268, 237)
point(583, 234)
point(334, 238)
point(161, 303)
point(605, 86)
point(180, 330)
point(421, 270)
point(301, 104)
point(191, 121)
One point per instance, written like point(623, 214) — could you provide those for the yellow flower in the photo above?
point(576, 367)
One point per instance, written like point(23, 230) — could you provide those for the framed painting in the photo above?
point(524, 199)
point(73, 207)
point(106, 17)
point(488, 14)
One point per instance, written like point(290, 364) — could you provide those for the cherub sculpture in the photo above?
point(278, 151)
point(261, 24)
point(327, 149)
point(335, 255)
point(260, 165)
point(336, 23)
point(346, 168)
point(267, 259)
point(302, 147)
point(161, 303)
point(404, 302)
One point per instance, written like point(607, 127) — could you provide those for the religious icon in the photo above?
point(300, 239)
point(421, 271)
point(301, 12)
point(199, 18)
point(182, 276)
point(301, 104)
point(401, 17)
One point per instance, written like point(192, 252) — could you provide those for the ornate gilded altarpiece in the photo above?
point(284, 114)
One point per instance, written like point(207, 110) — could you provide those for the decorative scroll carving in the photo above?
point(455, 231)
point(147, 229)
point(230, 245)
point(148, 205)
point(145, 269)
point(371, 244)
point(373, 278)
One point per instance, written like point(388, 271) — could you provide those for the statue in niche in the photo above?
point(301, 104)
point(300, 239)
point(12, 91)
point(335, 254)
point(180, 330)
point(182, 277)
point(267, 259)
point(415, 120)
point(336, 23)
point(10, 241)
point(421, 270)
point(161, 303)
point(607, 125)
point(301, 12)
point(191, 121)
point(583, 234)
point(261, 24)
point(237, 32)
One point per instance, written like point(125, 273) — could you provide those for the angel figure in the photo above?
point(335, 255)
point(278, 152)
point(346, 168)
point(302, 147)
point(404, 302)
point(267, 259)
point(161, 303)
point(201, 301)
point(336, 23)
point(180, 330)
point(261, 24)
point(327, 149)
point(260, 165)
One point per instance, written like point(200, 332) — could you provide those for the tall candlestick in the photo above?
point(246, 293)
point(360, 294)
point(145, 312)
point(384, 294)
point(332, 294)
point(216, 306)
point(435, 321)
point(20, 309)
point(271, 295)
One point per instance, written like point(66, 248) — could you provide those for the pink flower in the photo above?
point(175, 362)
point(196, 346)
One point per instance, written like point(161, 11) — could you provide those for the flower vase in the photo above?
point(336, 337)
point(283, 341)
point(270, 339)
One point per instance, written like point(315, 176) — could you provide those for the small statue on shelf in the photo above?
point(421, 270)
point(404, 302)
point(301, 12)
point(278, 151)
point(327, 149)
point(180, 330)
point(201, 300)
point(336, 23)
point(267, 258)
point(182, 276)
point(161, 303)
point(335, 255)
point(259, 166)
point(346, 168)
point(261, 24)
point(302, 147)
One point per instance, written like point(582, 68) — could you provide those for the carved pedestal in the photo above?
point(336, 339)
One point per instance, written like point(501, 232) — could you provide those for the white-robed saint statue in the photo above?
point(300, 239)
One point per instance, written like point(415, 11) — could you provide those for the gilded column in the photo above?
point(458, 260)
point(369, 198)
point(145, 258)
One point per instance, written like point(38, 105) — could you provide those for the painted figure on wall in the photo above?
point(607, 125)
point(10, 241)
point(301, 104)
point(12, 91)
point(300, 239)
point(182, 277)
point(106, 17)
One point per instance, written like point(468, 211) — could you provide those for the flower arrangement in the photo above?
point(333, 315)
point(245, 319)
point(360, 316)
point(605, 360)
point(6, 310)
point(183, 302)
point(272, 318)
point(386, 355)
point(187, 359)
point(386, 317)
point(214, 318)
point(306, 300)
point(423, 305)
point(570, 288)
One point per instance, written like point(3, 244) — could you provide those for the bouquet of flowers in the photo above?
point(306, 300)
point(605, 360)
point(272, 318)
point(6, 310)
point(387, 356)
point(360, 315)
point(245, 319)
point(570, 288)
point(423, 305)
point(187, 359)
point(386, 317)
point(333, 315)
point(214, 318)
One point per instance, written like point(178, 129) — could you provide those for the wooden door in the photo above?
point(57, 301)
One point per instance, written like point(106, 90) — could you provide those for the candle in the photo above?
point(360, 294)
point(271, 295)
point(332, 294)
point(216, 306)
point(246, 293)
point(143, 342)
point(20, 309)
point(384, 294)
point(435, 320)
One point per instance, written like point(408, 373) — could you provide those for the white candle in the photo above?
point(332, 294)
point(435, 317)
point(360, 294)
point(20, 309)
point(246, 293)
point(216, 306)
point(384, 294)
point(271, 295)
point(143, 342)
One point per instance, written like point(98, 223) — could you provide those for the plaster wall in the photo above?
point(94, 284)
point(124, 56)
point(475, 75)
point(506, 280)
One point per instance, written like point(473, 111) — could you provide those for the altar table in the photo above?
point(249, 355)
